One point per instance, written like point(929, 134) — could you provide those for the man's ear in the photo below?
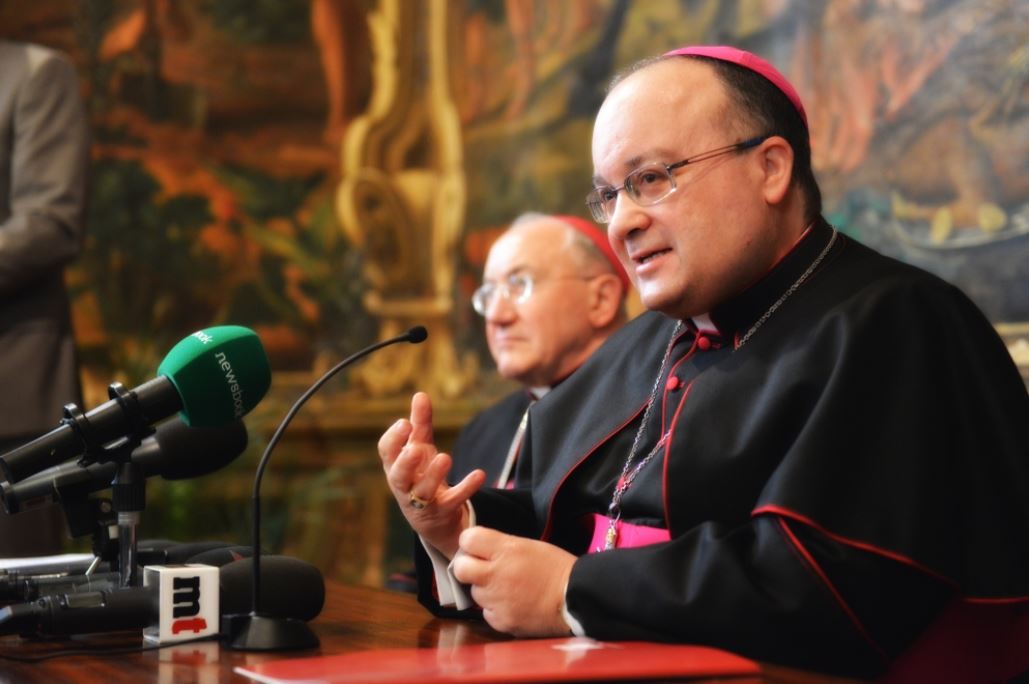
point(605, 300)
point(776, 158)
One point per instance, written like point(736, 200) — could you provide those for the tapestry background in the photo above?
point(328, 172)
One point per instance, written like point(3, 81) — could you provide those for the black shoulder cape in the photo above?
point(828, 486)
point(485, 440)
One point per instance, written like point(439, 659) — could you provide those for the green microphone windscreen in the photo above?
point(221, 373)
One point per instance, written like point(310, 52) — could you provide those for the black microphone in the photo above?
point(20, 589)
point(153, 550)
point(16, 588)
point(299, 595)
point(222, 556)
point(212, 377)
point(259, 631)
point(18, 585)
point(175, 451)
point(51, 568)
point(182, 552)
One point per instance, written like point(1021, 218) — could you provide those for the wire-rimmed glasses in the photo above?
point(516, 288)
point(651, 183)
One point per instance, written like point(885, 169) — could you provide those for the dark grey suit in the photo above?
point(44, 152)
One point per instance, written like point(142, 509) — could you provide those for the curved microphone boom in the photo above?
point(256, 631)
point(212, 377)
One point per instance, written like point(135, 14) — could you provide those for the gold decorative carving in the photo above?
point(402, 197)
point(1016, 339)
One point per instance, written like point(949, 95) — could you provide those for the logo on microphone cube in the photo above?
point(187, 600)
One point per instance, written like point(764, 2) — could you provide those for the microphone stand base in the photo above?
point(262, 633)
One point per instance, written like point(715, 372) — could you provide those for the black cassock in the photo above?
point(486, 439)
point(856, 469)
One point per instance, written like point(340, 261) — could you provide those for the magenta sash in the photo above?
point(629, 535)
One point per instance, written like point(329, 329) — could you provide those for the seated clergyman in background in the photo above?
point(552, 292)
point(806, 453)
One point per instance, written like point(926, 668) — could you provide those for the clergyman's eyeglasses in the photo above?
point(516, 288)
point(651, 183)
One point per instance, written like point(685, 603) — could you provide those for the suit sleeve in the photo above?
point(775, 589)
point(48, 176)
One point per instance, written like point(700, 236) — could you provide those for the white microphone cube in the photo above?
point(187, 599)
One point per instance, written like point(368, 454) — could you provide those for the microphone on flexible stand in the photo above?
point(175, 451)
point(211, 378)
point(257, 631)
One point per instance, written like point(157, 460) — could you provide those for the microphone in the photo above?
point(222, 556)
point(175, 451)
point(212, 377)
point(15, 587)
point(52, 567)
point(299, 595)
point(257, 630)
point(150, 552)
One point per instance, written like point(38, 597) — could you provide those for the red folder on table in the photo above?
point(520, 660)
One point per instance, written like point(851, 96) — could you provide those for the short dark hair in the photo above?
point(761, 106)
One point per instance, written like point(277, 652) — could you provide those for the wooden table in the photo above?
point(354, 618)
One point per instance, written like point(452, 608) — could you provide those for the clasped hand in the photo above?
point(519, 583)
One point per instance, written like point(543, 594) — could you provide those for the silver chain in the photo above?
point(614, 512)
point(787, 293)
point(629, 471)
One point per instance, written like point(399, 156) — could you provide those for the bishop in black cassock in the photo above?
point(814, 455)
point(829, 489)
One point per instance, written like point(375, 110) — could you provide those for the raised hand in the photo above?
point(416, 473)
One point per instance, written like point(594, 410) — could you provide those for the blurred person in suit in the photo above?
point(44, 152)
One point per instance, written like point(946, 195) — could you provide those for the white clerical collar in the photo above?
point(705, 324)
